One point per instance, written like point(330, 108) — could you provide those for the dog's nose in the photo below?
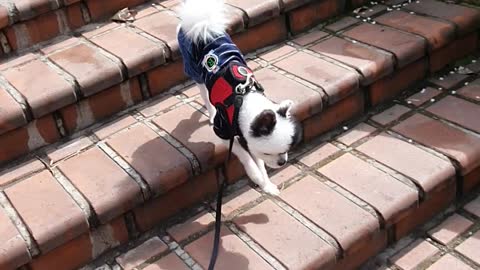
point(281, 162)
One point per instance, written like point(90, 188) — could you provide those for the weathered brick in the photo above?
point(391, 197)
point(319, 154)
point(164, 77)
point(459, 111)
point(356, 133)
point(110, 190)
point(426, 94)
point(144, 56)
point(141, 147)
point(459, 48)
point(24, 169)
point(387, 88)
point(45, 93)
point(256, 11)
point(79, 60)
point(309, 15)
point(100, 8)
point(93, 109)
point(191, 227)
point(170, 261)
point(333, 116)
point(13, 249)
point(49, 212)
point(262, 35)
point(11, 113)
point(451, 228)
point(391, 114)
point(471, 247)
point(372, 63)
point(135, 257)
point(336, 81)
point(414, 254)
point(448, 262)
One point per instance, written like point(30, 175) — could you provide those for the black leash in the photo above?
point(239, 93)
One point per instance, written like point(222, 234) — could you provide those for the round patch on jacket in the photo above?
point(210, 62)
point(240, 72)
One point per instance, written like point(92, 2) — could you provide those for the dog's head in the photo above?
point(273, 131)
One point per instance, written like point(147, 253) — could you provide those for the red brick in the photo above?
point(453, 51)
point(105, 185)
point(160, 105)
point(44, 94)
point(11, 113)
point(466, 19)
point(42, 28)
point(319, 154)
point(144, 56)
point(17, 61)
point(342, 24)
point(13, 249)
point(454, 143)
point(60, 45)
point(233, 253)
point(437, 33)
point(474, 207)
point(308, 38)
point(278, 88)
point(114, 127)
point(449, 81)
point(16, 172)
point(81, 250)
point(72, 255)
point(141, 147)
point(49, 212)
point(93, 109)
point(352, 226)
point(305, 249)
point(183, 196)
point(4, 21)
point(191, 227)
point(291, 4)
point(93, 71)
point(236, 200)
point(387, 88)
point(100, 8)
point(194, 131)
point(372, 63)
point(309, 15)
point(164, 77)
point(449, 262)
point(334, 116)
point(262, 35)
point(256, 11)
point(22, 140)
point(391, 114)
point(471, 91)
point(28, 9)
point(163, 26)
point(459, 111)
point(100, 29)
point(471, 247)
point(277, 53)
point(140, 254)
point(414, 254)
point(373, 11)
point(336, 81)
point(170, 261)
point(391, 197)
point(407, 47)
point(356, 133)
point(427, 170)
point(426, 94)
point(450, 229)
point(285, 174)
point(74, 16)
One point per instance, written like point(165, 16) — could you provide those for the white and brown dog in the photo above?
point(264, 131)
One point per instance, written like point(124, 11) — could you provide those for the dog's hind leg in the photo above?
point(211, 109)
point(253, 170)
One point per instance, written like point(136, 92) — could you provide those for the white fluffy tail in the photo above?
point(202, 20)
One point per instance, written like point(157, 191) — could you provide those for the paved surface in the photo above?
point(346, 195)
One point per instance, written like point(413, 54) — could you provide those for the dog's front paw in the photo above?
point(271, 189)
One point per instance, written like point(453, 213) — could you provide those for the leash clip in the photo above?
point(241, 89)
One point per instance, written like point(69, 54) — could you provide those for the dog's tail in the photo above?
point(202, 20)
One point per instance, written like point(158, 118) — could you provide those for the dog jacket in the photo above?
point(219, 65)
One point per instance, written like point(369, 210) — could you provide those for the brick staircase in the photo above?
point(113, 140)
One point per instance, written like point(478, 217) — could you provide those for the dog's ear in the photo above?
point(263, 124)
point(284, 108)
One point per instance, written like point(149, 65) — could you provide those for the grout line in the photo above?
point(21, 226)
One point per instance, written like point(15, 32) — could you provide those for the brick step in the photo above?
point(345, 196)
point(102, 185)
point(96, 72)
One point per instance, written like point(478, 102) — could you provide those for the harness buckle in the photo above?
point(241, 89)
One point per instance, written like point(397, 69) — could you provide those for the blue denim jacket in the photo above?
point(203, 61)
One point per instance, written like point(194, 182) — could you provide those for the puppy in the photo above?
point(264, 131)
